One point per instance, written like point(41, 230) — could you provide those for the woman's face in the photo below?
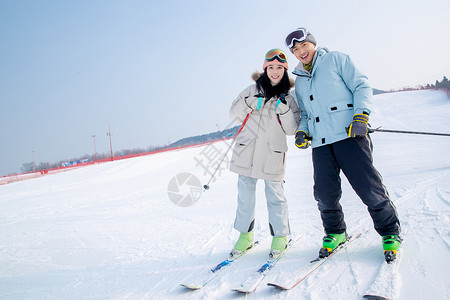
point(275, 73)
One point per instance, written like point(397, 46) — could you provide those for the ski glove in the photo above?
point(282, 107)
point(358, 126)
point(302, 139)
point(254, 102)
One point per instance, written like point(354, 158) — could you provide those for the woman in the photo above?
point(269, 113)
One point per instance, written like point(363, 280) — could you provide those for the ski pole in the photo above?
point(206, 186)
point(407, 132)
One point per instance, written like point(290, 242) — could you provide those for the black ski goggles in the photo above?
point(298, 35)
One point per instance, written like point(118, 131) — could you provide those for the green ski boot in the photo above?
point(244, 243)
point(391, 243)
point(330, 242)
point(279, 244)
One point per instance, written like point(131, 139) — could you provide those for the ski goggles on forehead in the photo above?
point(276, 54)
point(298, 35)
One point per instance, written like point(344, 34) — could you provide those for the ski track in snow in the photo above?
point(109, 231)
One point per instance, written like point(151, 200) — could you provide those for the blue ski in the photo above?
point(201, 281)
point(252, 282)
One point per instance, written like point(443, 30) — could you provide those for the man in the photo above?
point(334, 97)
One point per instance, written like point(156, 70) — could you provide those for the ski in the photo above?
point(306, 270)
point(387, 281)
point(203, 279)
point(252, 282)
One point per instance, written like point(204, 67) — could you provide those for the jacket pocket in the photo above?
point(275, 162)
point(243, 154)
point(311, 127)
point(341, 115)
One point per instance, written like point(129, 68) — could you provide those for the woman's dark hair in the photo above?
point(264, 85)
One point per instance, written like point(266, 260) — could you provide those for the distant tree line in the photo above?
point(193, 140)
point(377, 91)
point(444, 84)
point(204, 138)
point(30, 167)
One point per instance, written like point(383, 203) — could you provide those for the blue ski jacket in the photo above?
point(330, 95)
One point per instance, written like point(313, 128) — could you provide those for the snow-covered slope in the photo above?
point(109, 231)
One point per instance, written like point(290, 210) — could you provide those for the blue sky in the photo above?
point(158, 71)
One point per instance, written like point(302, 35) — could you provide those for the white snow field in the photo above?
point(110, 231)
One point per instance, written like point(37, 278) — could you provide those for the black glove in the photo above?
point(302, 139)
point(282, 107)
point(358, 126)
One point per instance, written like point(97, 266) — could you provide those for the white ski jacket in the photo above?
point(260, 149)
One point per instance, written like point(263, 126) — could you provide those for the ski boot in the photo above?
point(330, 242)
point(244, 243)
point(391, 243)
point(279, 244)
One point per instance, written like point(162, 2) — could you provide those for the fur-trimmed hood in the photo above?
point(256, 75)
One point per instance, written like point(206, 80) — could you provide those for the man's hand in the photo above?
point(302, 139)
point(359, 125)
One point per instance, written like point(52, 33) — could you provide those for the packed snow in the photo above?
point(110, 231)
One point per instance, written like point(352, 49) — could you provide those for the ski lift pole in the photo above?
point(206, 186)
point(370, 130)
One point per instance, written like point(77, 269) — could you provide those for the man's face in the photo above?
point(304, 51)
